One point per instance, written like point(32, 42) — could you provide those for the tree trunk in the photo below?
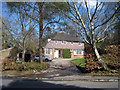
point(40, 4)
point(23, 58)
point(99, 58)
point(23, 55)
point(40, 54)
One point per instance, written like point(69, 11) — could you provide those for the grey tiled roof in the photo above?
point(66, 37)
point(63, 37)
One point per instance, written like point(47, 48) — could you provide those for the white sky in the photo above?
point(91, 3)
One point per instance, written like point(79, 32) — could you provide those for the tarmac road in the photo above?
point(87, 85)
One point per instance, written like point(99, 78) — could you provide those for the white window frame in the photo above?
point(47, 52)
point(64, 42)
point(80, 44)
point(78, 52)
point(56, 42)
point(71, 43)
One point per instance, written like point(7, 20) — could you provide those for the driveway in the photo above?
point(60, 67)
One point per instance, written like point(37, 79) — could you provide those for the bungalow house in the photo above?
point(54, 46)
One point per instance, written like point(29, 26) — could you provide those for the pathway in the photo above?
point(62, 67)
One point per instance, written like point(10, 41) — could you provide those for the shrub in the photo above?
point(27, 66)
point(66, 53)
point(11, 66)
point(35, 66)
point(112, 54)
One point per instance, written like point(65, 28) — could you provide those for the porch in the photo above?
point(58, 53)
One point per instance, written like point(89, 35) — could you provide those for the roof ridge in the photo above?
point(66, 37)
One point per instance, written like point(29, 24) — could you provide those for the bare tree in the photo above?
point(20, 32)
point(92, 22)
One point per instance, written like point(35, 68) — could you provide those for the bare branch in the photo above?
point(79, 7)
point(30, 21)
point(83, 25)
point(36, 8)
point(88, 11)
point(25, 12)
point(108, 19)
point(102, 39)
point(32, 17)
point(73, 13)
point(94, 11)
point(15, 19)
point(30, 31)
point(99, 12)
point(105, 29)
point(75, 21)
point(12, 35)
point(84, 37)
point(71, 6)
point(79, 16)
point(50, 23)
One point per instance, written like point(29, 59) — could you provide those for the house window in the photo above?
point(48, 51)
point(64, 42)
point(80, 44)
point(78, 52)
point(56, 42)
point(71, 43)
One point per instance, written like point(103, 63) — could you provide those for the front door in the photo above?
point(56, 53)
point(60, 53)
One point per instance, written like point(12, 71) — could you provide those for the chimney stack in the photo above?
point(77, 35)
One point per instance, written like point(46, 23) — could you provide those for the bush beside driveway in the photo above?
point(81, 65)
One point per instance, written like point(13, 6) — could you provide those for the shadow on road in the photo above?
point(36, 84)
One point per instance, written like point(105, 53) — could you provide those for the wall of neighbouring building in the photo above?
point(48, 54)
point(4, 54)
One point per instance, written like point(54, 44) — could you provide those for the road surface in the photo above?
point(24, 83)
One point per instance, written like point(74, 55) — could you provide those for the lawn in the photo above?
point(79, 62)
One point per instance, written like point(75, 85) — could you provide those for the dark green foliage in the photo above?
point(66, 53)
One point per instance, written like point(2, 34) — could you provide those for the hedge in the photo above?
point(66, 53)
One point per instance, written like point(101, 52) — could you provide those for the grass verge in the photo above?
point(79, 62)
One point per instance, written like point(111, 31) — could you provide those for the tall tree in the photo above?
point(45, 14)
point(92, 22)
point(21, 25)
